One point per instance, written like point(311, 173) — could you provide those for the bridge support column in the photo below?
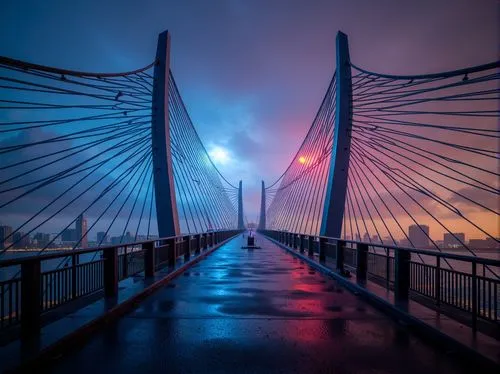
point(262, 220)
point(362, 262)
point(241, 224)
point(149, 259)
point(166, 205)
point(30, 298)
point(333, 210)
point(402, 275)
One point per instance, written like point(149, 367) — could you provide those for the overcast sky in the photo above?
point(252, 73)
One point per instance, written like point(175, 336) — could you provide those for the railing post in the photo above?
point(149, 259)
point(124, 264)
point(205, 241)
point(172, 255)
point(339, 249)
point(187, 253)
point(402, 274)
point(474, 296)
point(362, 262)
point(30, 297)
point(198, 243)
point(437, 281)
point(301, 243)
point(322, 248)
point(74, 276)
point(292, 244)
point(387, 268)
point(310, 245)
point(110, 271)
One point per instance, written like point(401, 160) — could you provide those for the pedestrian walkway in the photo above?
point(255, 311)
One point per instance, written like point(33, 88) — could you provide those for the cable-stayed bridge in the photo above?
point(116, 157)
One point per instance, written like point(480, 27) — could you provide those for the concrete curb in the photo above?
point(54, 352)
point(417, 326)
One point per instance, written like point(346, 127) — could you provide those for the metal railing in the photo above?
point(465, 288)
point(42, 286)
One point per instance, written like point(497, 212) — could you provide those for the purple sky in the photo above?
point(252, 73)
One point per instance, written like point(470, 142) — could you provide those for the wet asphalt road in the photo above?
point(260, 311)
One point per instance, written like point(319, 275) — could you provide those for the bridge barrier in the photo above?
point(40, 288)
point(470, 295)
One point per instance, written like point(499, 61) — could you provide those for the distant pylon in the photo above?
point(262, 220)
point(241, 224)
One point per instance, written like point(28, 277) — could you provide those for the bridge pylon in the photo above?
point(166, 205)
point(262, 220)
point(333, 209)
point(241, 224)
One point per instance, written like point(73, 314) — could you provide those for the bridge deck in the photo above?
point(260, 311)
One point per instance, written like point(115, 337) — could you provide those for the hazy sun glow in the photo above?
point(302, 159)
point(219, 155)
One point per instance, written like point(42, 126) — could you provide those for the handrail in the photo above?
point(473, 259)
point(66, 253)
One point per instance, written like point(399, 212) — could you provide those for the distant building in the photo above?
point(56, 239)
point(454, 240)
point(484, 243)
point(492, 243)
point(419, 235)
point(366, 238)
point(81, 231)
point(5, 236)
point(21, 241)
point(404, 243)
point(478, 243)
point(376, 239)
point(127, 238)
point(69, 235)
point(102, 237)
point(42, 240)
